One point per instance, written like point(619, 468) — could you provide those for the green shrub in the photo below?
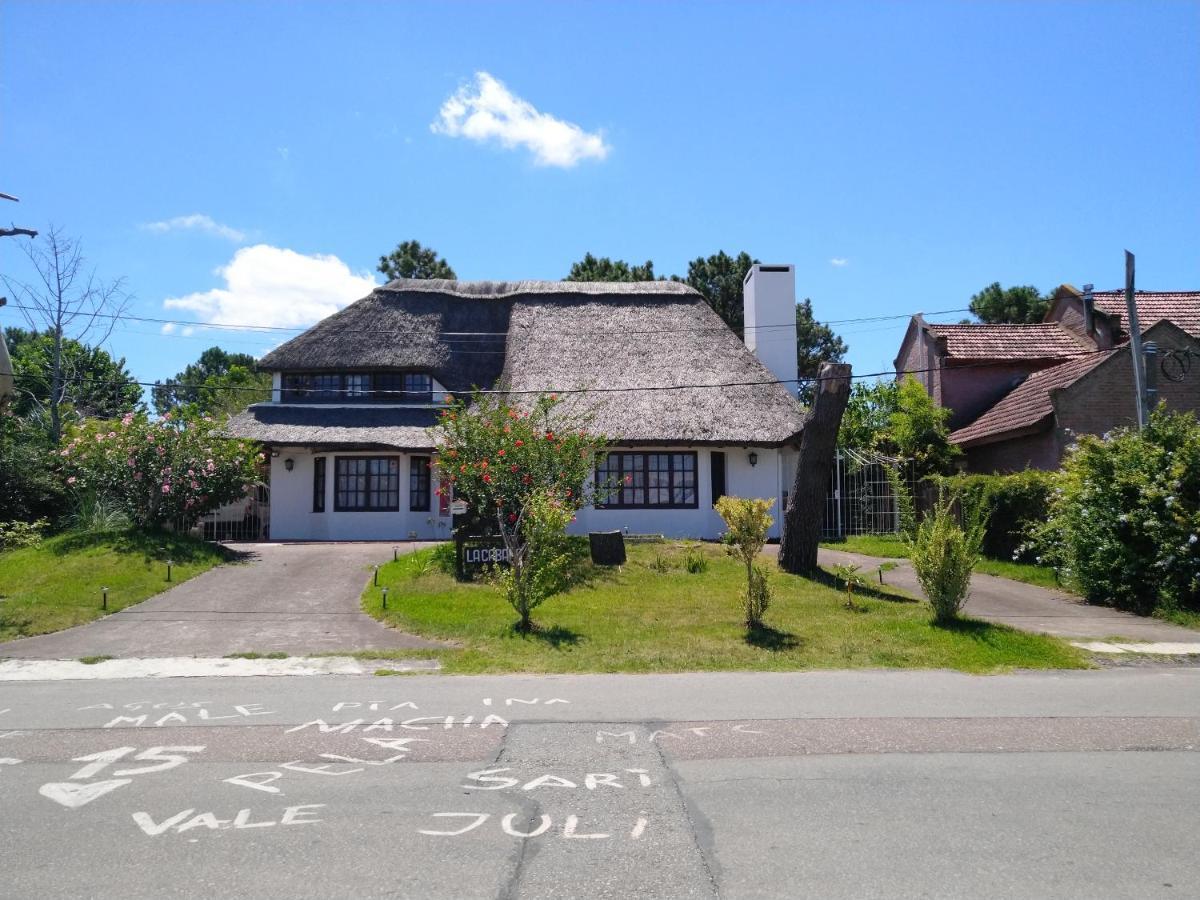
point(660, 564)
point(943, 554)
point(1014, 506)
point(748, 521)
point(14, 535)
point(1124, 525)
point(694, 560)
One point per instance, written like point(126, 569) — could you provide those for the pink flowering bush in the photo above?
point(169, 471)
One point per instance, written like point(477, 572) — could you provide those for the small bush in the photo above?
point(660, 564)
point(1015, 506)
point(694, 560)
point(758, 596)
point(943, 555)
point(14, 535)
point(748, 521)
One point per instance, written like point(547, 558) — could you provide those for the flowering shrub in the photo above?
point(1124, 523)
point(170, 471)
point(524, 474)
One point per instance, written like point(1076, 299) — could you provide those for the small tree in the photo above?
point(411, 260)
point(943, 555)
point(168, 472)
point(528, 471)
point(748, 521)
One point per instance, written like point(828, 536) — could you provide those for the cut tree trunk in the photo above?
point(805, 510)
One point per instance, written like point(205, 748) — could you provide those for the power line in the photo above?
point(456, 334)
point(580, 390)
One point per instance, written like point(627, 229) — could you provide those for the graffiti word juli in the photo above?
point(654, 736)
point(80, 792)
point(508, 824)
point(176, 717)
point(447, 722)
point(185, 821)
point(492, 780)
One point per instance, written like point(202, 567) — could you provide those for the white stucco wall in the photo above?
point(292, 518)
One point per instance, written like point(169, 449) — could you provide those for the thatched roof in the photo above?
point(559, 336)
point(362, 427)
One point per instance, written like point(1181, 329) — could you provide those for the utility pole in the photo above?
point(7, 387)
point(1135, 344)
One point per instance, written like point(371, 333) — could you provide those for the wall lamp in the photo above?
point(753, 459)
point(289, 464)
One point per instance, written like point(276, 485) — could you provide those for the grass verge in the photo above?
point(57, 584)
point(892, 547)
point(653, 616)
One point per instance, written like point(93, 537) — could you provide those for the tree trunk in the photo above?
point(806, 503)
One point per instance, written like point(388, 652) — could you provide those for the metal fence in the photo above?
point(862, 494)
point(247, 519)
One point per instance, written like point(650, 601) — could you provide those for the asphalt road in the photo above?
point(856, 784)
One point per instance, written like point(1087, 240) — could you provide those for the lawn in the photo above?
point(57, 584)
point(892, 547)
point(653, 616)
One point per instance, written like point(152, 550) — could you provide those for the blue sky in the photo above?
point(901, 155)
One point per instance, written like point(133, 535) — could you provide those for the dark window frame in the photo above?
point(370, 488)
point(356, 387)
point(319, 483)
point(650, 471)
point(420, 484)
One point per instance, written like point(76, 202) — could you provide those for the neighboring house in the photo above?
point(355, 398)
point(1019, 394)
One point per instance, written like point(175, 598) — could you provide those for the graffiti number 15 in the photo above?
point(163, 758)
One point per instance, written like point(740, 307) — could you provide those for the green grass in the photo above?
point(93, 660)
point(274, 654)
point(57, 584)
point(640, 619)
point(892, 547)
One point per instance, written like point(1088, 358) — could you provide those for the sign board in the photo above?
point(458, 507)
point(475, 555)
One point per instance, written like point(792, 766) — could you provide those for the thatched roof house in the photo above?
point(651, 361)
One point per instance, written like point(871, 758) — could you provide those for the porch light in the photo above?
point(753, 459)
point(289, 463)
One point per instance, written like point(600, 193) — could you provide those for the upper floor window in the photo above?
point(357, 387)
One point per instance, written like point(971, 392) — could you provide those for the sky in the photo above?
point(249, 162)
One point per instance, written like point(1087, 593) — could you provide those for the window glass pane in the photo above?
point(367, 482)
point(327, 386)
point(418, 484)
point(319, 484)
point(357, 386)
point(418, 387)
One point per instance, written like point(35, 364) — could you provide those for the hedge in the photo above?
point(1014, 505)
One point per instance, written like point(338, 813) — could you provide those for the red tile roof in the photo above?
point(1181, 307)
point(976, 341)
point(1029, 402)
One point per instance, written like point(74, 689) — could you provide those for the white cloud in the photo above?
point(839, 261)
point(168, 328)
point(267, 285)
point(485, 110)
point(197, 222)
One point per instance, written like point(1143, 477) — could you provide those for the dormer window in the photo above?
point(357, 387)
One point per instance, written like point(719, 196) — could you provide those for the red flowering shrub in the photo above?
point(529, 474)
point(170, 471)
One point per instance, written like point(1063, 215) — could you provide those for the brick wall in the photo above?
point(971, 390)
point(1032, 451)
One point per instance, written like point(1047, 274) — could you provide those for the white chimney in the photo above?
point(769, 305)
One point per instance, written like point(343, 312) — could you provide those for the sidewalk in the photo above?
point(1029, 607)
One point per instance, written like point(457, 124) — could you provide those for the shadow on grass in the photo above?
point(767, 638)
point(866, 590)
point(555, 636)
point(153, 545)
point(977, 630)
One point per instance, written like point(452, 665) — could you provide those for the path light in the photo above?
point(104, 602)
point(385, 590)
point(395, 554)
point(376, 568)
point(169, 564)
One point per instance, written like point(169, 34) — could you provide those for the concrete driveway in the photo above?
point(1027, 606)
point(294, 598)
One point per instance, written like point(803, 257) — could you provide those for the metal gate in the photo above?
point(862, 494)
point(247, 519)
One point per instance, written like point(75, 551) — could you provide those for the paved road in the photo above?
point(855, 784)
point(1030, 607)
point(295, 598)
